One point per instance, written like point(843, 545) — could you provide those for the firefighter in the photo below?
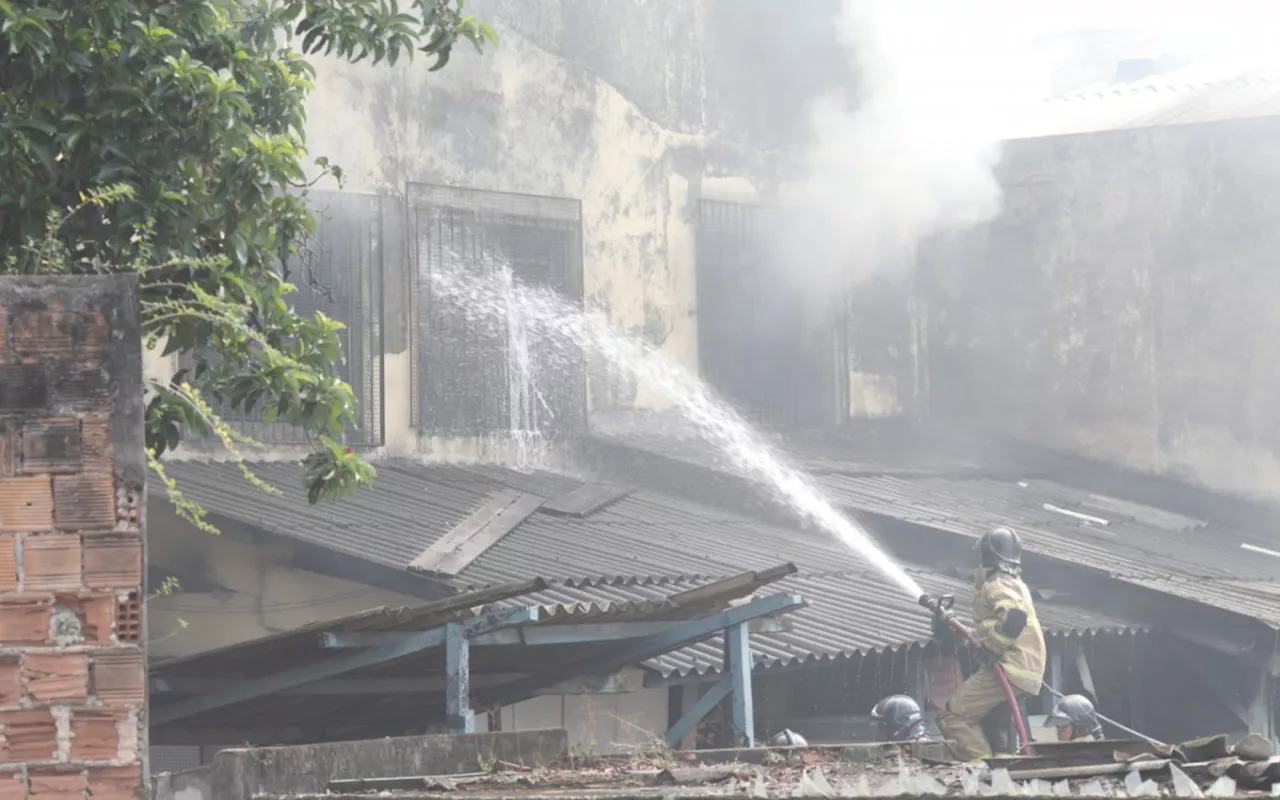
point(1076, 720)
point(1005, 624)
point(899, 719)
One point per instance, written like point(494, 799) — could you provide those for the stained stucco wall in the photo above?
point(1125, 304)
point(637, 109)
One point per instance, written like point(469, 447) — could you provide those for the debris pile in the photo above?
point(1202, 768)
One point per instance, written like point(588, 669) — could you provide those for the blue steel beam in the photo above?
point(737, 654)
point(700, 709)
point(535, 636)
point(457, 671)
point(678, 635)
point(253, 688)
point(693, 630)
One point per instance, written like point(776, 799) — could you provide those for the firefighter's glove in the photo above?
point(943, 625)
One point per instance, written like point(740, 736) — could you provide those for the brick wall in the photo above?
point(72, 665)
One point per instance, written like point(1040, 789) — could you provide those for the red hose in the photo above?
point(1024, 741)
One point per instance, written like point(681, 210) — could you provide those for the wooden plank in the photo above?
point(733, 587)
point(585, 500)
point(458, 548)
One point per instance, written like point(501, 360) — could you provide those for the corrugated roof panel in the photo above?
point(648, 546)
point(1161, 100)
point(1205, 563)
point(862, 613)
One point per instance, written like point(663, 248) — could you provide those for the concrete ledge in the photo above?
point(240, 774)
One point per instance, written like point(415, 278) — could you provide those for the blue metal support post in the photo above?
point(689, 719)
point(457, 654)
point(737, 654)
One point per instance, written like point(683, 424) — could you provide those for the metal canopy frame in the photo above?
point(635, 642)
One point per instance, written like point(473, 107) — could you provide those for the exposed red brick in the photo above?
point(8, 563)
point(112, 562)
point(84, 502)
point(57, 783)
point(26, 505)
point(93, 733)
point(95, 443)
point(115, 783)
point(129, 618)
point(97, 615)
point(29, 735)
point(24, 619)
point(120, 677)
point(13, 786)
point(80, 386)
point(10, 681)
point(44, 333)
point(56, 676)
point(51, 445)
point(24, 387)
point(92, 333)
point(51, 563)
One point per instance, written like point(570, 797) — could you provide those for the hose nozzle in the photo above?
point(937, 603)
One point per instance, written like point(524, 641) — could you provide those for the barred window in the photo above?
point(469, 374)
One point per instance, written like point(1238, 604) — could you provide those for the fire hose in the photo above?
point(941, 606)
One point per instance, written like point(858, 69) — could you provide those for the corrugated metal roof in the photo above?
point(412, 505)
point(1207, 563)
point(849, 613)
point(643, 548)
point(273, 654)
point(1175, 99)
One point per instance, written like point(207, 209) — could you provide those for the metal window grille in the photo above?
point(339, 273)
point(749, 347)
point(461, 363)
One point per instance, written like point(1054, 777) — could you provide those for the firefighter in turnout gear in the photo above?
point(1076, 720)
point(900, 719)
point(1005, 624)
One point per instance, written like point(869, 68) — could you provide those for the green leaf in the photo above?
point(166, 138)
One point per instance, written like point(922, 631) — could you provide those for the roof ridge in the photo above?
point(589, 581)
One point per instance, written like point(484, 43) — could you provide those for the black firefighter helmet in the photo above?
point(1001, 547)
point(900, 719)
point(1077, 711)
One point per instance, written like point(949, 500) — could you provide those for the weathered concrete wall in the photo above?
point(72, 469)
point(242, 774)
point(631, 125)
point(1124, 305)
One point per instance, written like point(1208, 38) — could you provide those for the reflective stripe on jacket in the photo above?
point(1023, 657)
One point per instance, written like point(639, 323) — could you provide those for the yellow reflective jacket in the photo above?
point(1023, 657)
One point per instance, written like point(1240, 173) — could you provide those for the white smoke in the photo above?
point(940, 84)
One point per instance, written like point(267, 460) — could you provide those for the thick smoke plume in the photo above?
point(911, 152)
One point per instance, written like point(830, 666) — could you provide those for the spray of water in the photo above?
point(546, 321)
point(525, 401)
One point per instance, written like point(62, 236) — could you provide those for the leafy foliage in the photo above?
point(167, 138)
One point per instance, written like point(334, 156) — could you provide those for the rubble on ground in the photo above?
point(1204, 768)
